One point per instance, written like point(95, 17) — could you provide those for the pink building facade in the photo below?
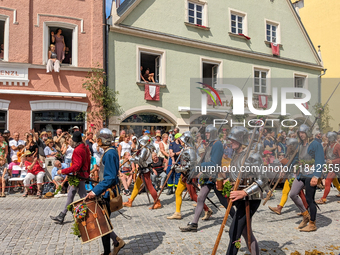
point(29, 96)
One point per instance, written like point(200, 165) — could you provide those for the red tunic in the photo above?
point(81, 162)
point(35, 169)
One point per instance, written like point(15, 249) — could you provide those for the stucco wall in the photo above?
point(26, 39)
point(169, 17)
point(182, 64)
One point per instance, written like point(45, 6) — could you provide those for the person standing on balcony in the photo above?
point(59, 42)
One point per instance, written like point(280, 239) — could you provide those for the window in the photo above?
point(236, 24)
point(68, 38)
point(261, 81)
point(3, 121)
point(211, 71)
point(4, 37)
point(299, 82)
point(150, 65)
point(195, 13)
point(273, 32)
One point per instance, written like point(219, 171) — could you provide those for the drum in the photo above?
point(94, 223)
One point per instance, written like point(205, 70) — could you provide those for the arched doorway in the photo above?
point(151, 121)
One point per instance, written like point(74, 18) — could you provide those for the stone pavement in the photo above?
point(25, 228)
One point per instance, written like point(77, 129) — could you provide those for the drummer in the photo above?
point(80, 167)
point(108, 177)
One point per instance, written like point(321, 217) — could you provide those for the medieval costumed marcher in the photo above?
point(249, 193)
point(175, 148)
point(292, 144)
point(81, 161)
point(332, 154)
point(144, 161)
point(212, 158)
point(188, 162)
point(308, 154)
point(108, 178)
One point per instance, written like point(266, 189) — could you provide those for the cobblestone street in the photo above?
point(26, 228)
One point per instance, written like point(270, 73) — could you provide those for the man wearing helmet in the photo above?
point(251, 187)
point(332, 154)
point(292, 145)
point(80, 167)
point(144, 160)
point(212, 158)
point(307, 177)
point(108, 178)
point(188, 162)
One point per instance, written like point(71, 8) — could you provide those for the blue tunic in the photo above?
point(111, 167)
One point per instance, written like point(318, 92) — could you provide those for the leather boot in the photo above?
point(191, 227)
point(310, 227)
point(170, 191)
point(276, 210)
point(60, 218)
point(116, 249)
point(207, 214)
point(305, 219)
point(175, 216)
point(157, 205)
point(128, 203)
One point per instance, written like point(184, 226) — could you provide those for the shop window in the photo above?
point(3, 121)
point(53, 120)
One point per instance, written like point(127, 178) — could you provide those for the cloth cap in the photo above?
point(266, 152)
point(147, 131)
point(75, 127)
point(6, 131)
point(14, 157)
point(76, 137)
point(178, 135)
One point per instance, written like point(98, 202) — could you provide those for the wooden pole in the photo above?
point(248, 223)
point(230, 204)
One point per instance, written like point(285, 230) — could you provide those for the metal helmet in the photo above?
point(144, 140)
point(292, 142)
point(254, 159)
point(105, 135)
point(213, 133)
point(239, 134)
point(332, 136)
point(187, 139)
point(304, 128)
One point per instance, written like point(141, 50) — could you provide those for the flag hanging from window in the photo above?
point(151, 92)
point(275, 49)
point(247, 37)
point(263, 101)
point(305, 105)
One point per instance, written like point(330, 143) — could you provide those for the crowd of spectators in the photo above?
point(30, 151)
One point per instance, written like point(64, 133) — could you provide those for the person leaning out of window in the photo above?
point(52, 62)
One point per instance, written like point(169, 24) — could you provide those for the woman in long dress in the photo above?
point(59, 42)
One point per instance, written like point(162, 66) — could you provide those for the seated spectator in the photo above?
point(50, 151)
point(14, 173)
point(3, 175)
point(59, 180)
point(52, 62)
point(35, 169)
point(159, 170)
point(126, 172)
point(147, 76)
point(31, 145)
